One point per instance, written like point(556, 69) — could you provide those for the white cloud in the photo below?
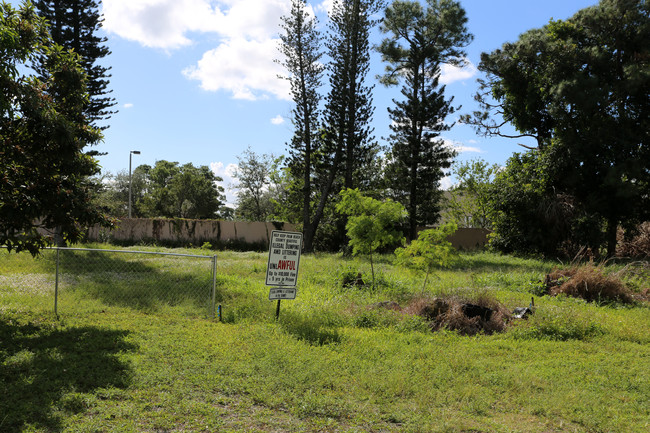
point(246, 31)
point(277, 120)
point(227, 173)
point(461, 148)
point(325, 6)
point(128, 105)
point(160, 23)
point(450, 73)
point(446, 183)
point(242, 67)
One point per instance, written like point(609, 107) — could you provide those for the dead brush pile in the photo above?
point(483, 315)
point(588, 282)
point(636, 247)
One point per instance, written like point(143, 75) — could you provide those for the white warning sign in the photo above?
point(284, 258)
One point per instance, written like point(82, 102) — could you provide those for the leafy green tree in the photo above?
point(529, 215)
point(301, 45)
point(468, 203)
point(429, 251)
point(421, 40)
point(372, 224)
point(112, 192)
point(580, 87)
point(74, 25)
point(255, 195)
point(185, 191)
point(348, 106)
point(44, 180)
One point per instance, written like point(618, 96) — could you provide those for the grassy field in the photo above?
point(134, 352)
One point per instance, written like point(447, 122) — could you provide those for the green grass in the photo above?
point(129, 354)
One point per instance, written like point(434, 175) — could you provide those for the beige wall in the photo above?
point(194, 232)
point(469, 238)
point(197, 232)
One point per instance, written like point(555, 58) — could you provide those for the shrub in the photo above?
point(429, 251)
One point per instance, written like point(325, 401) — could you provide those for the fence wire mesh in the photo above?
point(121, 278)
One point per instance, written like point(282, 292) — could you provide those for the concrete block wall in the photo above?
point(197, 232)
point(185, 231)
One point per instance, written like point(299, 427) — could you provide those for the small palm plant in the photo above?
point(429, 251)
point(372, 223)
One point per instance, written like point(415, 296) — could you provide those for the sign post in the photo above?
point(282, 268)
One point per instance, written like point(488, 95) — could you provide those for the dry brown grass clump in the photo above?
point(588, 282)
point(468, 317)
point(638, 246)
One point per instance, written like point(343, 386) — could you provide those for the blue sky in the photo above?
point(195, 80)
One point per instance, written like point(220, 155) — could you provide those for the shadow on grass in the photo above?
point(41, 364)
point(143, 282)
point(309, 329)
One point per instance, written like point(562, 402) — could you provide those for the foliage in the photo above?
point(44, 182)
point(468, 203)
point(580, 88)
point(429, 251)
point(166, 190)
point(257, 194)
point(112, 192)
point(372, 224)
point(348, 149)
point(74, 25)
point(530, 216)
point(348, 106)
point(420, 41)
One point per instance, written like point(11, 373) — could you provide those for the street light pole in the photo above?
point(133, 152)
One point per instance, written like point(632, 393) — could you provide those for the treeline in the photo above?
point(167, 190)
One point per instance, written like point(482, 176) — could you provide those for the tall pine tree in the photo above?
point(420, 41)
point(74, 25)
point(300, 45)
point(349, 105)
point(348, 147)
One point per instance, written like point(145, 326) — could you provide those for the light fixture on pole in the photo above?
point(133, 152)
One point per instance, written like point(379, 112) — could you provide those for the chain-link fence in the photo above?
point(122, 278)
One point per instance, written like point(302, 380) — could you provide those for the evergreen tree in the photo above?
point(349, 105)
point(348, 147)
point(45, 175)
point(420, 41)
point(301, 48)
point(73, 25)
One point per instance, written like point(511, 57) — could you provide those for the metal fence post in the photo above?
point(56, 285)
point(214, 282)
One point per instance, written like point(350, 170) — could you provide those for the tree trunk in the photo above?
point(318, 215)
point(612, 227)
